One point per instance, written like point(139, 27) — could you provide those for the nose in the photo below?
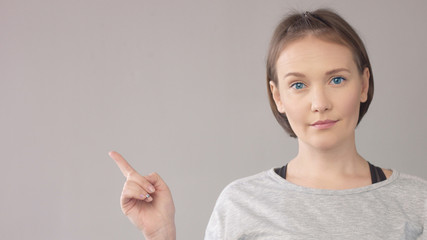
point(320, 101)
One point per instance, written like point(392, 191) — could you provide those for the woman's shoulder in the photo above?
point(406, 187)
point(250, 184)
point(411, 182)
point(249, 181)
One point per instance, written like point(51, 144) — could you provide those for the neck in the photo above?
point(334, 163)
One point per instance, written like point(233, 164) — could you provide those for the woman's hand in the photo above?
point(147, 202)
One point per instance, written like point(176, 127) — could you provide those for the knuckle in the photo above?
point(132, 174)
point(155, 176)
point(125, 192)
point(127, 184)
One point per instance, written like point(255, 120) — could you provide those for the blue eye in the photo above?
point(298, 85)
point(337, 80)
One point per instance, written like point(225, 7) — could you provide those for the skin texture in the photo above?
point(317, 81)
point(320, 99)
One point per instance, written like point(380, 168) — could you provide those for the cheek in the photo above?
point(296, 114)
point(350, 106)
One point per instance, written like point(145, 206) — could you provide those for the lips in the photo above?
point(325, 124)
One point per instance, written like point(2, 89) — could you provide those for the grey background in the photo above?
point(179, 88)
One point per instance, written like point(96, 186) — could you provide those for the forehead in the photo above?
point(312, 53)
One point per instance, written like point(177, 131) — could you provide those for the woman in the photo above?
point(320, 85)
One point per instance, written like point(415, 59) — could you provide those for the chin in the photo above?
point(323, 143)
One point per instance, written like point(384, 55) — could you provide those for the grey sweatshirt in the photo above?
point(266, 206)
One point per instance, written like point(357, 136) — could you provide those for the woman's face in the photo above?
point(320, 90)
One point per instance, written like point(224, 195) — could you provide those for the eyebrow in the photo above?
point(333, 71)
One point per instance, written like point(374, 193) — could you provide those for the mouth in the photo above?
point(325, 124)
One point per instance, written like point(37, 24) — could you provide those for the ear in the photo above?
point(365, 85)
point(276, 96)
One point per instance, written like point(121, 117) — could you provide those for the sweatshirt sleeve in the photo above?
point(424, 234)
point(216, 226)
point(423, 192)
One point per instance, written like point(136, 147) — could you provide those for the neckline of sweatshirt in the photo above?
point(286, 185)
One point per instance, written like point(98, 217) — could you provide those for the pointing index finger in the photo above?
point(124, 166)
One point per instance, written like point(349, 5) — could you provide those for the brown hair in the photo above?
point(325, 24)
